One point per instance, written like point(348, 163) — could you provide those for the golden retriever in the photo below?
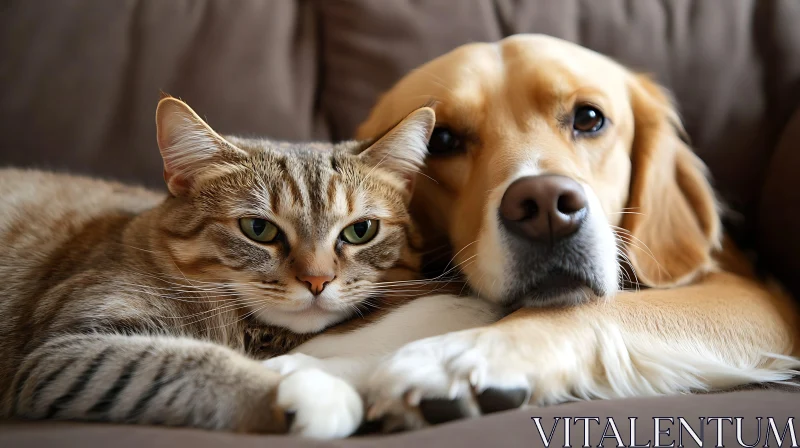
point(558, 176)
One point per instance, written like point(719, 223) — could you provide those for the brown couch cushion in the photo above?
point(779, 215)
point(507, 429)
point(79, 79)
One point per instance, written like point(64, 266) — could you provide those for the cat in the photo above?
point(125, 305)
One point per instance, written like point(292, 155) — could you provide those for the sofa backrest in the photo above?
point(79, 79)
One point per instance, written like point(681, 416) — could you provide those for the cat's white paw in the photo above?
point(323, 406)
point(286, 364)
point(456, 375)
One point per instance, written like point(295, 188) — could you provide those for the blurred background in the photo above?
point(80, 79)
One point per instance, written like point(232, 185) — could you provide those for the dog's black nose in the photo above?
point(543, 208)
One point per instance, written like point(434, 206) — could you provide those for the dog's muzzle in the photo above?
point(544, 221)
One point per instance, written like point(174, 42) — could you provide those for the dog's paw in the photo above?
point(319, 405)
point(286, 364)
point(443, 378)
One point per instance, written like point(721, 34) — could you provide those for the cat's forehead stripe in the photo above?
point(290, 177)
point(312, 189)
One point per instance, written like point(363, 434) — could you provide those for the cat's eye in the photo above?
point(258, 229)
point(360, 232)
point(588, 120)
point(444, 142)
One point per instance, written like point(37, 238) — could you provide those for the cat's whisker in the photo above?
point(417, 283)
point(378, 291)
point(245, 316)
point(355, 307)
point(458, 269)
point(213, 302)
point(434, 249)
point(216, 309)
point(201, 298)
point(261, 292)
point(370, 302)
point(258, 286)
point(188, 287)
point(421, 282)
point(177, 292)
point(457, 253)
point(429, 177)
point(226, 289)
point(193, 283)
point(226, 309)
point(396, 292)
point(229, 302)
point(434, 286)
point(405, 296)
point(159, 255)
point(142, 249)
point(377, 288)
point(422, 289)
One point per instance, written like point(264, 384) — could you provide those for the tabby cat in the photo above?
point(120, 304)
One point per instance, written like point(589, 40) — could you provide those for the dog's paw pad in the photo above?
point(438, 410)
point(289, 416)
point(449, 377)
point(497, 400)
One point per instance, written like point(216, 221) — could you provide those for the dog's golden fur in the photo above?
point(698, 320)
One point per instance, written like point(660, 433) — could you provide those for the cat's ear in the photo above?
point(190, 148)
point(404, 147)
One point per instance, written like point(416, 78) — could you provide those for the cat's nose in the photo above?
point(316, 283)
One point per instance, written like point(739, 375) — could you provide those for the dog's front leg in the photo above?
point(722, 332)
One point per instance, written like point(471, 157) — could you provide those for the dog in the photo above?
point(589, 233)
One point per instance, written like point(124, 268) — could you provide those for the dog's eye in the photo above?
point(588, 119)
point(443, 142)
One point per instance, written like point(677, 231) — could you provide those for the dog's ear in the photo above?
point(674, 220)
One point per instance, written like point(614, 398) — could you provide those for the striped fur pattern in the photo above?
point(122, 304)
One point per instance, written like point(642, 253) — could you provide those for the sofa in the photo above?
point(79, 81)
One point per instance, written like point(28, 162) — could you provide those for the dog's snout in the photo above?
point(543, 208)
